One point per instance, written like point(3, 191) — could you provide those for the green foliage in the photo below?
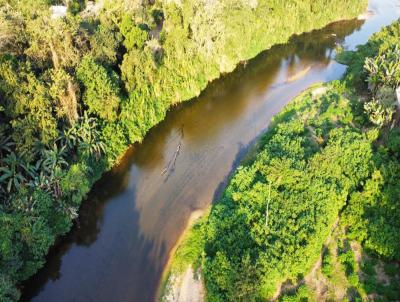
point(368, 266)
point(75, 6)
point(391, 269)
point(379, 113)
point(34, 231)
point(27, 105)
point(100, 89)
point(115, 142)
point(386, 288)
point(394, 142)
point(384, 69)
point(376, 49)
point(372, 214)
point(327, 264)
point(64, 93)
point(383, 77)
point(134, 36)
point(190, 249)
point(86, 136)
point(301, 294)
point(104, 44)
point(8, 292)
point(12, 172)
point(347, 259)
point(56, 43)
point(75, 184)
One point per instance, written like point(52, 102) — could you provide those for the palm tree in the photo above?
point(41, 181)
point(85, 136)
point(70, 137)
point(92, 148)
point(11, 173)
point(90, 144)
point(53, 158)
point(5, 144)
point(383, 70)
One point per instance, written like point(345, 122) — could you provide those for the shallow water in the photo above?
point(134, 215)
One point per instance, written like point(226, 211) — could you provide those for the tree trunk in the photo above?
point(73, 110)
point(54, 56)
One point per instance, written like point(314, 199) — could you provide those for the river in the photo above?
point(135, 214)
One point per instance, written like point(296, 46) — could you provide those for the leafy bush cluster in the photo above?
point(75, 91)
point(347, 259)
point(327, 267)
point(301, 294)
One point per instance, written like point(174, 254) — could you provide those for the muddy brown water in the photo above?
point(135, 214)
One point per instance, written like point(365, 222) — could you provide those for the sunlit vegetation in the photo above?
point(301, 293)
point(189, 250)
point(323, 187)
point(76, 90)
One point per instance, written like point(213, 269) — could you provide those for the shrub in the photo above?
point(327, 265)
point(101, 91)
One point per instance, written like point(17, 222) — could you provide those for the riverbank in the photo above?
point(328, 133)
point(181, 280)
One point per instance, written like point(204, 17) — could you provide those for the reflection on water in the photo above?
point(135, 213)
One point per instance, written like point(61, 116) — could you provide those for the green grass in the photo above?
point(189, 251)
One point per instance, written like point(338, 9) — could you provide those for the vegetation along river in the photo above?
point(135, 214)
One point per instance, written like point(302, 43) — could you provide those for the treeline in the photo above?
point(324, 155)
point(76, 90)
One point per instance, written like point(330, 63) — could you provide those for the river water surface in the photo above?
point(135, 214)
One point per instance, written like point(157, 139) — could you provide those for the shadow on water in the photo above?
point(135, 214)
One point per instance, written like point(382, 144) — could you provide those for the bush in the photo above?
point(384, 69)
point(8, 292)
point(101, 91)
point(301, 294)
point(394, 142)
point(75, 184)
point(368, 267)
point(391, 269)
point(327, 265)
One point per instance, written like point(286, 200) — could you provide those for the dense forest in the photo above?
point(324, 181)
point(76, 89)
